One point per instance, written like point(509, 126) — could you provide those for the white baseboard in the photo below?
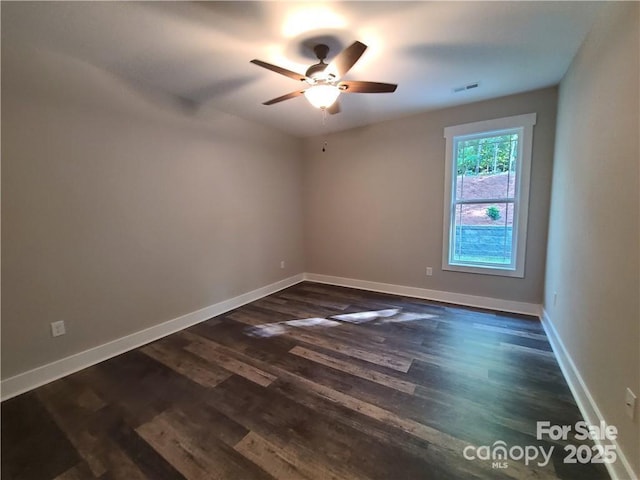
point(435, 295)
point(621, 469)
point(31, 379)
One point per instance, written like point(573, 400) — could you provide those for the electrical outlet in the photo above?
point(282, 264)
point(429, 271)
point(57, 329)
point(630, 403)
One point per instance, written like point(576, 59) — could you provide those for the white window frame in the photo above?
point(523, 124)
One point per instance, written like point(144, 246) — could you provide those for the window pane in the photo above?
point(486, 167)
point(483, 233)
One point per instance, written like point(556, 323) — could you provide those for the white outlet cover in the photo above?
point(57, 328)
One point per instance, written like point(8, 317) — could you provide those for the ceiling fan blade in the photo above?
point(280, 70)
point(335, 108)
point(346, 59)
point(297, 93)
point(366, 87)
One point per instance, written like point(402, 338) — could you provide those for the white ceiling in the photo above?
point(200, 52)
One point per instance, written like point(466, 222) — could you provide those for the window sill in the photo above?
point(502, 272)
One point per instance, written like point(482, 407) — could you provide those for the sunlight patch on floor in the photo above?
point(390, 315)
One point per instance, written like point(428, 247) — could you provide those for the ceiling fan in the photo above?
point(324, 84)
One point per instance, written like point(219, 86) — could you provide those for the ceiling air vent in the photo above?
point(466, 87)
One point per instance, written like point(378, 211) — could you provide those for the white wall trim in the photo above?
point(31, 379)
point(621, 469)
point(436, 295)
point(523, 125)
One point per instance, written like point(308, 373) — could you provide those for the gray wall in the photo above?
point(593, 262)
point(122, 208)
point(374, 200)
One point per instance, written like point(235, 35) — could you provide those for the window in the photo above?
point(487, 195)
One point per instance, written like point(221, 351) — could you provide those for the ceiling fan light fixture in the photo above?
point(322, 96)
point(324, 80)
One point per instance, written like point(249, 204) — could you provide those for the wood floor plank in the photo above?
point(253, 318)
point(28, 434)
point(276, 461)
point(195, 459)
point(199, 418)
point(140, 386)
point(118, 464)
point(372, 375)
point(284, 307)
point(63, 400)
point(511, 331)
point(547, 355)
point(321, 446)
point(491, 395)
point(320, 300)
point(236, 337)
point(147, 459)
point(77, 472)
point(178, 450)
point(397, 357)
point(211, 351)
point(393, 361)
point(203, 374)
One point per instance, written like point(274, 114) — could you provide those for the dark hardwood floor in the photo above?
point(399, 395)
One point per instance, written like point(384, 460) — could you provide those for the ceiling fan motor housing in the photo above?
point(321, 51)
point(317, 71)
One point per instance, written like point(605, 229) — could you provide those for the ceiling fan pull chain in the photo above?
point(324, 124)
